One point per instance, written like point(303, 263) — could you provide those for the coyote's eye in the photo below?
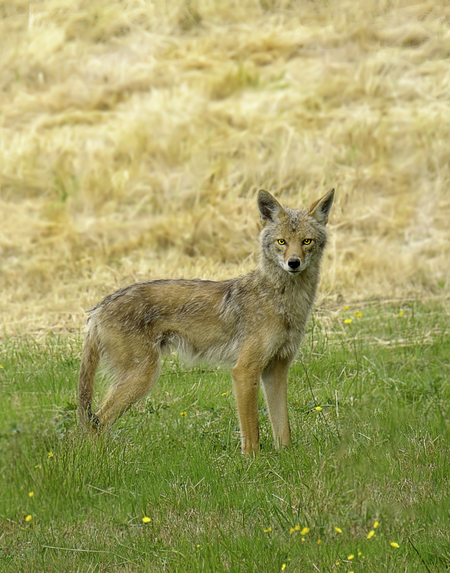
point(307, 241)
point(281, 242)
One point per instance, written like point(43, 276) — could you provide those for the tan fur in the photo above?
point(253, 322)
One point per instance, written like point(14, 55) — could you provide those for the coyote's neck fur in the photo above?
point(254, 322)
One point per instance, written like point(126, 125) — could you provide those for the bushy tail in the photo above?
point(89, 362)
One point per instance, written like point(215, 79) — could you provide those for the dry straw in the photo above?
point(134, 135)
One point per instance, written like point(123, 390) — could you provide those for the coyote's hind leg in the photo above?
point(89, 363)
point(128, 387)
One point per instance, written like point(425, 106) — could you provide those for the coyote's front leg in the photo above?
point(274, 383)
point(246, 387)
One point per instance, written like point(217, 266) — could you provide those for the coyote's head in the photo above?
point(293, 238)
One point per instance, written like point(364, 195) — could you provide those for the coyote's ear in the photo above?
point(321, 208)
point(268, 206)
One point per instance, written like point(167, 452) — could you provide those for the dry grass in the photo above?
point(134, 135)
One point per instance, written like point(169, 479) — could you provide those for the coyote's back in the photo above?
point(254, 322)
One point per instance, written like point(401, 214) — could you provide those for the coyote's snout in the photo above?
point(253, 322)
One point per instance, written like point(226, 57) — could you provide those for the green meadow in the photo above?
point(364, 486)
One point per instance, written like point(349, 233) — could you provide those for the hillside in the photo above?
point(134, 136)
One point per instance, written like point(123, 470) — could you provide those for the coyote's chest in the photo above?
point(293, 310)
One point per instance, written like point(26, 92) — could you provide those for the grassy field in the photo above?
point(364, 487)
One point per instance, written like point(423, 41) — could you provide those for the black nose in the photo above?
point(294, 263)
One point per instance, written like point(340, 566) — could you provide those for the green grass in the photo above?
point(378, 450)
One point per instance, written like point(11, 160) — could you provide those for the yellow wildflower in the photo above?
point(350, 557)
point(338, 529)
point(319, 542)
point(31, 493)
point(346, 308)
point(38, 467)
point(183, 414)
point(225, 393)
point(283, 567)
point(348, 321)
point(376, 524)
point(268, 530)
point(357, 314)
point(28, 518)
point(304, 531)
point(370, 534)
point(292, 530)
point(401, 313)
point(396, 545)
point(319, 408)
point(146, 519)
point(50, 454)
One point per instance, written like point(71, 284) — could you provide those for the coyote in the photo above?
point(254, 322)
